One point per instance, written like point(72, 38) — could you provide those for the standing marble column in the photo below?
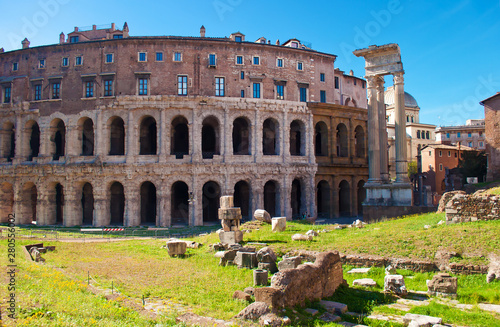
point(399, 102)
point(384, 165)
point(373, 131)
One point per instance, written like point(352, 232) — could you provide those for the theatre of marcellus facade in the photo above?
point(106, 129)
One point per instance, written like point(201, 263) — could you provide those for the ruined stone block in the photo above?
point(273, 297)
point(442, 284)
point(230, 213)
point(262, 215)
point(226, 202)
point(289, 263)
point(246, 260)
point(176, 248)
point(278, 224)
point(231, 237)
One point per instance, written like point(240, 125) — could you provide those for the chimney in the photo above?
point(351, 73)
point(1, 50)
point(25, 43)
point(202, 31)
point(125, 30)
point(76, 29)
point(113, 27)
point(61, 38)
point(277, 42)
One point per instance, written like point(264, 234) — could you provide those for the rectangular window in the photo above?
point(440, 153)
point(337, 82)
point(65, 62)
point(78, 61)
point(458, 134)
point(212, 60)
point(469, 135)
point(108, 88)
point(181, 85)
point(430, 153)
point(449, 153)
point(109, 58)
point(322, 96)
point(38, 92)
point(322, 77)
point(279, 62)
point(41, 63)
point(242, 75)
point(447, 135)
point(256, 60)
point(481, 144)
point(300, 66)
point(143, 86)
point(354, 81)
point(118, 36)
point(256, 90)
point(159, 56)
point(219, 86)
point(15, 66)
point(177, 56)
point(6, 94)
point(440, 167)
point(89, 89)
point(280, 92)
point(73, 39)
point(470, 144)
point(242, 93)
point(142, 56)
point(238, 39)
point(239, 60)
point(303, 94)
point(56, 90)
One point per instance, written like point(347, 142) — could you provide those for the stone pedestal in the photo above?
point(231, 237)
point(176, 248)
point(260, 277)
point(230, 218)
point(278, 224)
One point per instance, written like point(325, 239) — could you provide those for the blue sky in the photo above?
point(450, 49)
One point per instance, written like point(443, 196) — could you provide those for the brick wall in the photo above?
point(466, 208)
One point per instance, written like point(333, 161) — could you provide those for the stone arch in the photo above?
point(87, 201)
point(297, 138)
point(344, 199)
point(210, 137)
point(8, 145)
point(359, 139)
point(179, 204)
point(361, 196)
point(272, 198)
point(342, 141)
point(241, 136)
point(117, 204)
point(57, 138)
point(86, 136)
point(323, 199)
point(321, 139)
point(270, 137)
point(211, 201)
point(32, 139)
point(116, 136)
point(242, 198)
point(55, 203)
point(6, 201)
point(297, 198)
point(29, 198)
point(147, 136)
point(148, 203)
point(179, 144)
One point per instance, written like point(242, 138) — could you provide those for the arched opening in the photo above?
point(242, 199)
point(87, 136)
point(342, 141)
point(296, 199)
point(179, 145)
point(210, 137)
point(87, 205)
point(241, 136)
point(117, 204)
point(59, 202)
point(271, 198)
point(270, 137)
point(179, 203)
point(58, 138)
point(147, 138)
point(321, 139)
point(33, 133)
point(211, 196)
point(344, 199)
point(361, 197)
point(8, 141)
point(297, 135)
point(116, 137)
point(148, 204)
point(6, 201)
point(28, 202)
point(359, 138)
point(323, 199)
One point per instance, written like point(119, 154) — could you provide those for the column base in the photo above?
point(396, 194)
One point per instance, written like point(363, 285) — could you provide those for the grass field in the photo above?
point(56, 293)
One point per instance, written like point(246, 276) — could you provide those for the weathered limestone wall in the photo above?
point(465, 208)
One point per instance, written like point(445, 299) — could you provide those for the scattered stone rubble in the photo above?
point(34, 251)
point(466, 208)
point(262, 215)
point(395, 284)
point(494, 269)
point(443, 284)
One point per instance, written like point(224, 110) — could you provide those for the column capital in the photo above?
point(398, 78)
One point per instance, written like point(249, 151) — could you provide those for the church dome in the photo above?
point(410, 101)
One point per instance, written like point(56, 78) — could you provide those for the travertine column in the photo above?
point(373, 131)
point(18, 137)
point(399, 103)
point(102, 215)
point(162, 138)
point(99, 136)
point(131, 138)
point(72, 208)
point(382, 121)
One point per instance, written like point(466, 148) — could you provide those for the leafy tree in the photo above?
point(412, 168)
point(473, 164)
